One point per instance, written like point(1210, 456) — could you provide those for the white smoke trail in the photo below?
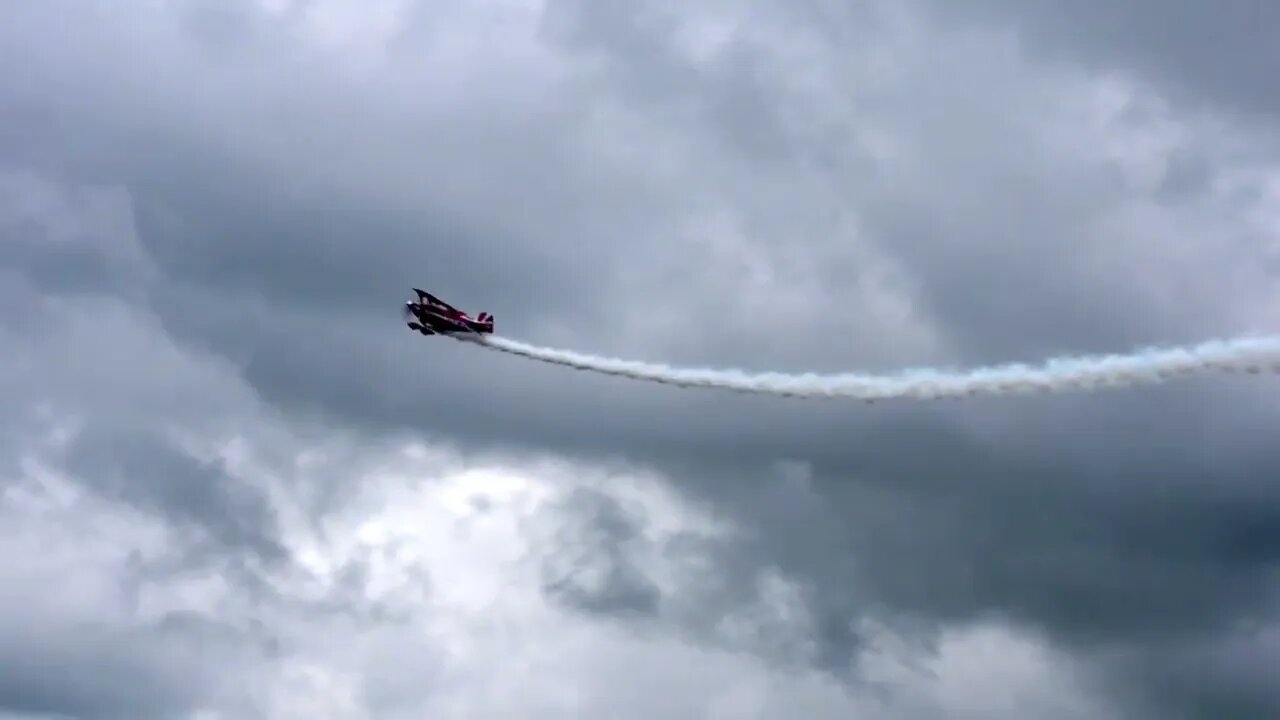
point(1248, 354)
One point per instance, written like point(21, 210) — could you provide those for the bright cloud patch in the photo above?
point(454, 618)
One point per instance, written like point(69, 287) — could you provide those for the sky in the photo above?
point(236, 486)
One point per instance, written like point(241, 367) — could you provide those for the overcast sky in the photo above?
point(236, 486)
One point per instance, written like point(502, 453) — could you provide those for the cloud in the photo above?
point(210, 212)
point(81, 638)
point(101, 636)
point(1167, 42)
point(589, 566)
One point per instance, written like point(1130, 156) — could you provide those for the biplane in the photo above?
point(429, 315)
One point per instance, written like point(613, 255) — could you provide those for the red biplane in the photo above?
point(430, 315)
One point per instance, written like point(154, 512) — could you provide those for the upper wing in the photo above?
point(423, 294)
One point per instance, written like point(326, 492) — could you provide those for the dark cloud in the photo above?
point(1226, 677)
point(589, 564)
point(1215, 53)
point(98, 686)
point(150, 472)
point(804, 186)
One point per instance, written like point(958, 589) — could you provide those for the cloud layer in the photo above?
point(233, 481)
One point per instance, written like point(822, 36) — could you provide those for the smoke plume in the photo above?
point(1245, 354)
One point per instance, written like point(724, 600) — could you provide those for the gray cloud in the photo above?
point(153, 474)
point(1216, 54)
point(589, 564)
point(828, 187)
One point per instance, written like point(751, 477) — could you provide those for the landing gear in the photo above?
point(419, 327)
